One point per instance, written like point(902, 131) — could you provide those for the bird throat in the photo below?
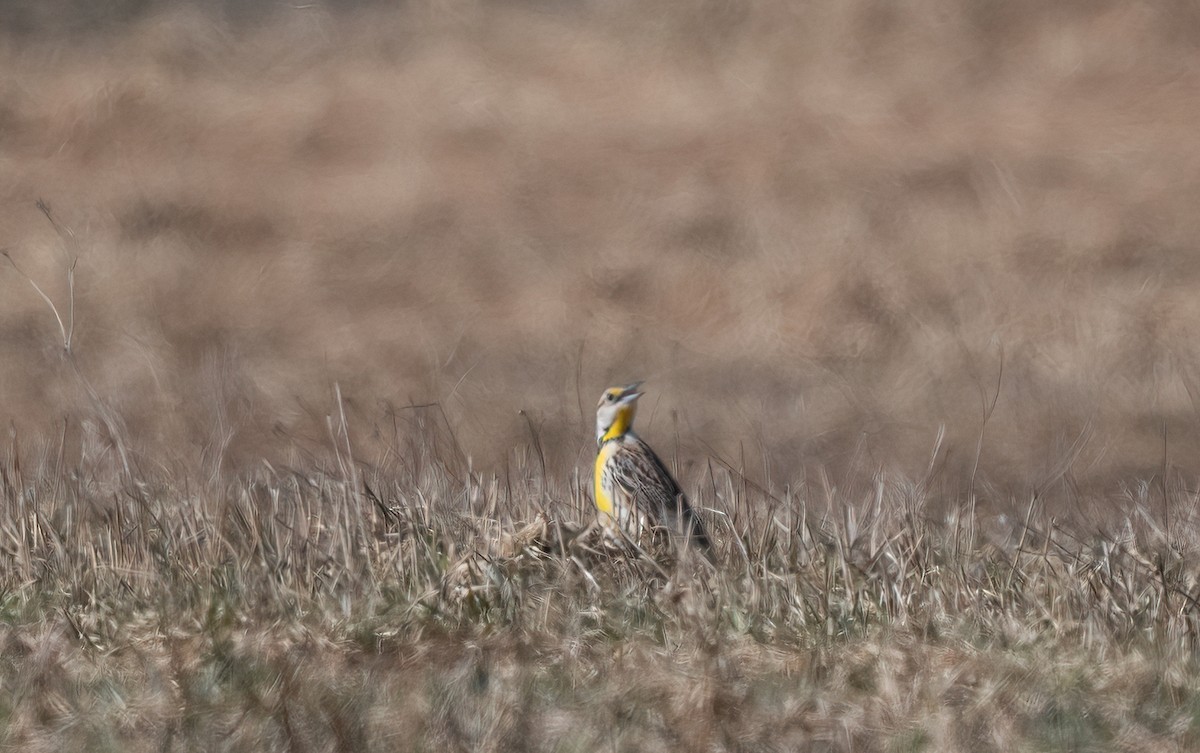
point(620, 425)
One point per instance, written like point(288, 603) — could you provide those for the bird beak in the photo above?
point(629, 392)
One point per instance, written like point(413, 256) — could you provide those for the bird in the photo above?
point(634, 491)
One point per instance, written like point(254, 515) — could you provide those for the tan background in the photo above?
point(817, 230)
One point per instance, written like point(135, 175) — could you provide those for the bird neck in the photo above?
point(621, 425)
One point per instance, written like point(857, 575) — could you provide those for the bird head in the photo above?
point(615, 412)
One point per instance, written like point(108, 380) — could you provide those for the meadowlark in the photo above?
point(634, 491)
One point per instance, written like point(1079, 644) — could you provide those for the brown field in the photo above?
point(305, 309)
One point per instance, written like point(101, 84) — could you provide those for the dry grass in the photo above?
point(298, 358)
point(411, 603)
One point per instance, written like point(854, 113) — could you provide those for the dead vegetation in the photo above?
point(412, 603)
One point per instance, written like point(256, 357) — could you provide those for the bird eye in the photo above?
point(610, 397)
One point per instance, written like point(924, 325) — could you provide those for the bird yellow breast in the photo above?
point(604, 502)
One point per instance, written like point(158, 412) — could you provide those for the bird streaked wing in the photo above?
point(641, 475)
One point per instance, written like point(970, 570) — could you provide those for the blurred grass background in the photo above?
point(820, 232)
point(912, 284)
